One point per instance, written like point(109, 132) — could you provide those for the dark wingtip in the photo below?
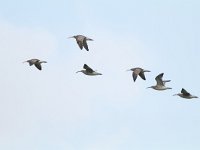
point(85, 66)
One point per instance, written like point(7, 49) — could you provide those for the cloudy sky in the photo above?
point(57, 109)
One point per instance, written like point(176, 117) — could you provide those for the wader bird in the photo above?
point(185, 94)
point(89, 71)
point(160, 83)
point(82, 41)
point(138, 71)
point(35, 62)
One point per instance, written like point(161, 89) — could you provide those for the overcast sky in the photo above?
point(57, 109)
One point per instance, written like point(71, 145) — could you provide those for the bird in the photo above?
point(160, 83)
point(185, 94)
point(82, 41)
point(89, 71)
point(35, 62)
point(138, 71)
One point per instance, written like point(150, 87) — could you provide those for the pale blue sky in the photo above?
point(57, 109)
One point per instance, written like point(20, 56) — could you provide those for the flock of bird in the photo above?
point(82, 43)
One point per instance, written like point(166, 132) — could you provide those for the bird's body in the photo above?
point(82, 41)
point(160, 86)
point(36, 62)
point(185, 94)
point(138, 71)
point(89, 71)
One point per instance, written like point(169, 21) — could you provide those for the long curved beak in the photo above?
point(149, 87)
point(78, 71)
point(24, 61)
point(70, 37)
point(166, 80)
point(129, 70)
point(175, 94)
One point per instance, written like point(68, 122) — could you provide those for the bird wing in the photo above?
point(88, 69)
point(136, 72)
point(141, 74)
point(85, 44)
point(80, 44)
point(134, 76)
point(159, 79)
point(166, 81)
point(38, 65)
point(184, 92)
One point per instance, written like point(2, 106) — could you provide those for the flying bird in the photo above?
point(82, 41)
point(185, 94)
point(138, 71)
point(89, 71)
point(160, 83)
point(35, 62)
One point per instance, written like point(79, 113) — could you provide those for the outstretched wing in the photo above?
point(184, 92)
point(38, 65)
point(134, 76)
point(80, 44)
point(159, 79)
point(166, 81)
point(136, 72)
point(88, 69)
point(85, 44)
point(141, 74)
